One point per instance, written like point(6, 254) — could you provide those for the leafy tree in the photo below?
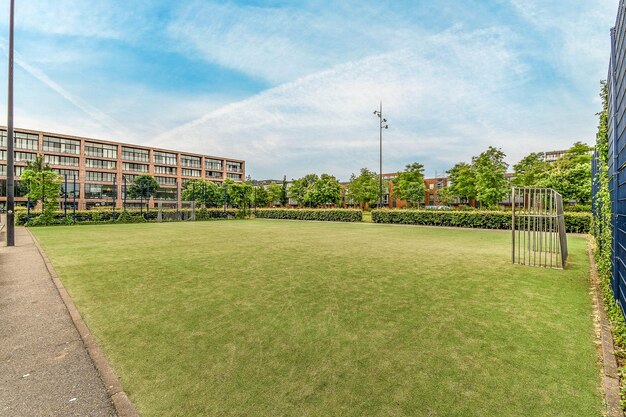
point(326, 190)
point(225, 191)
point(530, 171)
point(203, 192)
point(284, 196)
point(275, 192)
point(570, 175)
point(409, 185)
point(261, 196)
point(240, 194)
point(462, 181)
point(364, 188)
point(491, 185)
point(43, 184)
point(445, 196)
point(303, 189)
point(144, 186)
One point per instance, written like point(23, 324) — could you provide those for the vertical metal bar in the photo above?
point(513, 223)
point(74, 199)
point(65, 197)
point(10, 138)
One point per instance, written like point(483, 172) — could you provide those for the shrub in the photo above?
point(574, 222)
point(333, 215)
point(119, 216)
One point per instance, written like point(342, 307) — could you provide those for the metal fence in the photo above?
point(538, 228)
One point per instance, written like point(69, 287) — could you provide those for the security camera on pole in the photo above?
point(383, 125)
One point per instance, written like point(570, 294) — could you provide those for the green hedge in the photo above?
point(108, 216)
point(333, 215)
point(574, 222)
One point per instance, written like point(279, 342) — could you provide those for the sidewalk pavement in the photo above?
point(45, 369)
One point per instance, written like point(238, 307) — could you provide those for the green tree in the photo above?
point(43, 184)
point(144, 186)
point(491, 185)
point(462, 181)
point(326, 190)
point(261, 196)
point(364, 188)
point(203, 192)
point(303, 190)
point(570, 175)
point(240, 194)
point(531, 171)
point(275, 192)
point(284, 195)
point(409, 185)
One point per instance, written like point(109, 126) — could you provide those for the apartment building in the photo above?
point(96, 173)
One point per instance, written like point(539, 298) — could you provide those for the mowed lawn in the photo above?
point(280, 318)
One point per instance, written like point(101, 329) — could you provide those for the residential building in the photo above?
point(97, 172)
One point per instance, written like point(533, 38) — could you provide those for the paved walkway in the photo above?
point(45, 369)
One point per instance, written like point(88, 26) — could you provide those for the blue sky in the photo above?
point(290, 86)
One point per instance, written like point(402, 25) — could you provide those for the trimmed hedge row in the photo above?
point(331, 215)
point(574, 222)
point(119, 216)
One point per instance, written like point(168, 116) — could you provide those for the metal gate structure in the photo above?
point(538, 228)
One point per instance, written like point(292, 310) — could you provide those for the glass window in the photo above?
point(212, 174)
point(164, 170)
point(166, 180)
point(61, 160)
point(95, 191)
point(25, 156)
point(214, 164)
point(73, 190)
point(100, 176)
point(234, 176)
point(69, 172)
point(190, 161)
point(190, 172)
point(164, 158)
point(61, 145)
point(127, 166)
point(100, 150)
point(27, 141)
point(134, 154)
point(17, 171)
point(98, 163)
point(233, 166)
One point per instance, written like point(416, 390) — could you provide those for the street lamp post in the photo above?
point(382, 125)
point(10, 161)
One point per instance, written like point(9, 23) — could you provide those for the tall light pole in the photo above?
point(382, 125)
point(10, 162)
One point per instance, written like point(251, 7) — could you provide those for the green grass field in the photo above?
point(279, 318)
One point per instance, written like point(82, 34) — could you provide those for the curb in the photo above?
point(610, 375)
point(121, 402)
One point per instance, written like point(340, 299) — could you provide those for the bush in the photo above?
point(574, 222)
point(119, 216)
point(332, 215)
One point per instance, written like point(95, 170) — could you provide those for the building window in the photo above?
point(19, 170)
point(100, 176)
point(100, 150)
point(214, 164)
point(22, 140)
point(71, 191)
point(233, 176)
point(166, 180)
point(233, 166)
point(69, 172)
point(164, 170)
point(166, 194)
point(60, 145)
point(61, 160)
point(127, 166)
point(164, 158)
point(100, 164)
point(190, 172)
point(213, 174)
point(134, 154)
point(190, 161)
point(129, 178)
point(99, 191)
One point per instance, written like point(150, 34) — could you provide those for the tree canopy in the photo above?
point(364, 188)
point(409, 185)
point(489, 168)
point(203, 192)
point(462, 180)
point(144, 186)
